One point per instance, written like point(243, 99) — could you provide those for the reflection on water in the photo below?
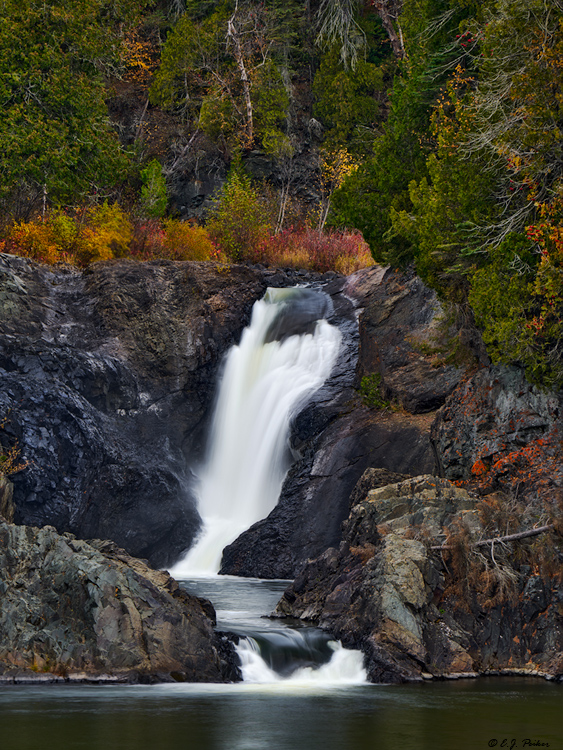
point(437, 716)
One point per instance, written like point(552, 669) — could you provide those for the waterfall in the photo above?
point(346, 667)
point(284, 356)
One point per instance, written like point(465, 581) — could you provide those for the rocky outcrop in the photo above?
point(409, 340)
point(338, 437)
point(91, 612)
point(498, 432)
point(421, 612)
point(107, 379)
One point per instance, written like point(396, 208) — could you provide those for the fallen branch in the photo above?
point(509, 538)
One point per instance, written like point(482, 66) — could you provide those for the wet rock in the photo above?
point(91, 610)
point(108, 378)
point(386, 591)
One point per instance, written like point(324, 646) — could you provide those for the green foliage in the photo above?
point(347, 101)
point(153, 192)
point(180, 83)
point(501, 300)
point(54, 132)
point(496, 164)
point(201, 74)
point(370, 198)
point(271, 105)
point(367, 196)
point(239, 222)
point(370, 391)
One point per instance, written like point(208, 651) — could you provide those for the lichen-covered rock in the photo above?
point(386, 591)
point(81, 610)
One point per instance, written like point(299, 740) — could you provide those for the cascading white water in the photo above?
point(265, 384)
point(344, 668)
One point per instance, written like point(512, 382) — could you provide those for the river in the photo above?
point(282, 715)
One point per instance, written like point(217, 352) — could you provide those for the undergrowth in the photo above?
point(371, 392)
point(106, 232)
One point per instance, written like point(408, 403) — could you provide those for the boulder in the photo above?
point(417, 610)
point(92, 612)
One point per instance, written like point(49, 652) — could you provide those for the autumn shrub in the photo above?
point(344, 252)
point(10, 462)
point(284, 249)
point(106, 233)
point(185, 241)
point(49, 241)
point(240, 228)
point(148, 239)
point(97, 233)
point(239, 223)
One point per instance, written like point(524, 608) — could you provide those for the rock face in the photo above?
point(91, 612)
point(337, 437)
point(417, 612)
point(498, 432)
point(107, 380)
point(408, 340)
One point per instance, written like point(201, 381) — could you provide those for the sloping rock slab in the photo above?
point(88, 611)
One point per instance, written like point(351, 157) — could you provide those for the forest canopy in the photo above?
point(434, 127)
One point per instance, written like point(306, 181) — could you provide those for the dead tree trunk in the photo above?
point(233, 36)
point(388, 11)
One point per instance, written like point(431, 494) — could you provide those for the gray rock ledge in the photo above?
point(86, 611)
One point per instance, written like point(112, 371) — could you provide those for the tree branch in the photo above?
point(509, 538)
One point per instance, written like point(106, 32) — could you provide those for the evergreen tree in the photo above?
point(55, 139)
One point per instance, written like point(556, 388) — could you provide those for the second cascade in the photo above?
point(284, 356)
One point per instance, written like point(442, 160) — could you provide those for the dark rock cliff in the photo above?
point(107, 379)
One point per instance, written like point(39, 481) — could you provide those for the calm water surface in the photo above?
point(468, 714)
